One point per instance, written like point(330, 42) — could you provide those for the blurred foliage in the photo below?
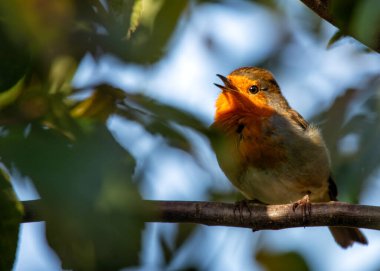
point(10, 218)
point(354, 164)
point(14, 61)
point(82, 182)
point(360, 19)
point(92, 206)
point(281, 261)
point(170, 247)
point(91, 202)
point(335, 38)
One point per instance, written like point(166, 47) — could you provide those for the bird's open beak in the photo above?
point(227, 84)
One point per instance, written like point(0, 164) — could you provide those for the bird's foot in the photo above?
point(305, 204)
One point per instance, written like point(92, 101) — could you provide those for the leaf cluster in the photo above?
point(84, 177)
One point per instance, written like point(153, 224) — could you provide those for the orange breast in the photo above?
point(241, 103)
point(259, 145)
point(248, 123)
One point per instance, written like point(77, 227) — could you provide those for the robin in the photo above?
point(273, 155)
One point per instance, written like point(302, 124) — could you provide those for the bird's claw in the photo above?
point(305, 204)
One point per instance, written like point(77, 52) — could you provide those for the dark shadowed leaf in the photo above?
point(338, 35)
point(10, 219)
point(156, 25)
point(183, 234)
point(93, 210)
point(14, 60)
point(343, 11)
point(352, 141)
point(100, 105)
point(366, 23)
point(155, 117)
point(360, 19)
point(170, 250)
point(165, 112)
point(10, 96)
point(40, 24)
point(164, 120)
point(331, 121)
point(167, 251)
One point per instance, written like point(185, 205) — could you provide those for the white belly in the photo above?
point(281, 187)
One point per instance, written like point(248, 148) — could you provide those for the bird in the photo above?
point(273, 155)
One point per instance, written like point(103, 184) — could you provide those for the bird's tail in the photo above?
point(346, 237)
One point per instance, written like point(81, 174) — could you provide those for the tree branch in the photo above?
point(257, 217)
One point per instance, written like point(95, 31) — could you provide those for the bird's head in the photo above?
point(250, 90)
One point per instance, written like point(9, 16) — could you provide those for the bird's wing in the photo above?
point(294, 115)
point(333, 190)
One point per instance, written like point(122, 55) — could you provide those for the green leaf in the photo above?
point(157, 23)
point(93, 210)
point(160, 119)
point(120, 17)
point(61, 74)
point(166, 249)
point(342, 11)
point(100, 105)
point(10, 96)
point(360, 19)
point(135, 17)
point(14, 60)
point(164, 112)
point(353, 169)
point(42, 29)
point(332, 120)
point(338, 35)
point(184, 233)
point(281, 261)
point(10, 219)
point(366, 22)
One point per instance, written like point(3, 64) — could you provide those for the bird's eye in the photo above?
point(253, 89)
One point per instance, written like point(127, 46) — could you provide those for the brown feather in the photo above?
point(346, 237)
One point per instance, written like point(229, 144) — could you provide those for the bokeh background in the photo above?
point(162, 59)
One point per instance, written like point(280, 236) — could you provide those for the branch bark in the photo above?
point(257, 217)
